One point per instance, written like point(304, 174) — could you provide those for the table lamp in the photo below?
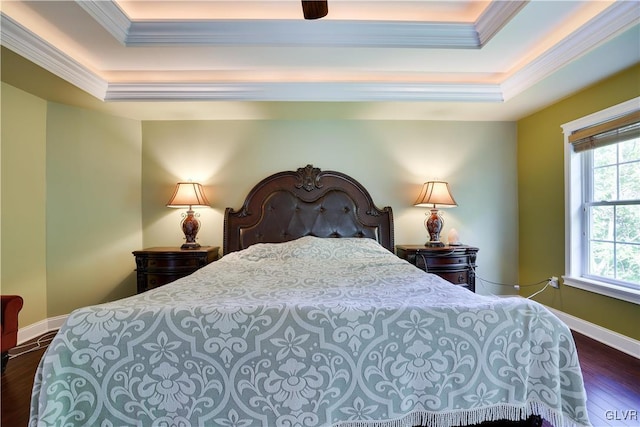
point(434, 195)
point(189, 195)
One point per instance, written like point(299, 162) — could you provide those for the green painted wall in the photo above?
point(71, 205)
point(23, 209)
point(390, 158)
point(93, 187)
point(93, 207)
point(541, 203)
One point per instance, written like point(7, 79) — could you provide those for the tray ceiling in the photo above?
point(484, 60)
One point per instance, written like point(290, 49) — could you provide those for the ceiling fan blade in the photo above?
point(314, 9)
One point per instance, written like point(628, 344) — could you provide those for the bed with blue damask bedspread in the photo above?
point(288, 329)
point(310, 332)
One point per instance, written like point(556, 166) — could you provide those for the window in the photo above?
point(602, 188)
point(612, 210)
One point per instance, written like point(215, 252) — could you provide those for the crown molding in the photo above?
point(619, 17)
point(496, 16)
point(308, 33)
point(616, 19)
point(38, 51)
point(315, 33)
point(109, 15)
point(28, 45)
point(308, 91)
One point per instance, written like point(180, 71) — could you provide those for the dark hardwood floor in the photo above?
point(17, 380)
point(612, 381)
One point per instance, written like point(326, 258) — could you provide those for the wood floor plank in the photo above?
point(612, 382)
point(17, 382)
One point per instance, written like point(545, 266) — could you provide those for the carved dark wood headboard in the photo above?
point(293, 204)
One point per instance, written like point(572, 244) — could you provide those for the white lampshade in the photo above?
point(188, 194)
point(435, 194)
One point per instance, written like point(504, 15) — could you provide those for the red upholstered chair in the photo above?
point(11, 305)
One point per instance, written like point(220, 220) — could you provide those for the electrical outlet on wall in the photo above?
point(553, 281)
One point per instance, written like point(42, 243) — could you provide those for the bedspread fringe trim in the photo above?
point(470, 417)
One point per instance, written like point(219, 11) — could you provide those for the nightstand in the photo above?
point(159, 266)
point(455, 264)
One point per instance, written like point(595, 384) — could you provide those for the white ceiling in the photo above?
point(440, 60)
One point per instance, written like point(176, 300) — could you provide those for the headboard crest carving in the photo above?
point(309, 178)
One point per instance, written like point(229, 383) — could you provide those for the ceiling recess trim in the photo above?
point(496, 16)
point(619, 17)
point(25, 43)
point(110, 16)
point(307, 33)
point(38, 51)
point(316, 33)
point(306, 91)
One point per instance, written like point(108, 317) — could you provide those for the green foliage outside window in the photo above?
point(614, 212)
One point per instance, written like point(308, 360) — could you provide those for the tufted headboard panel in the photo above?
point(293, 204)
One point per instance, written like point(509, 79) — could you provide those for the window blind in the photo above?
point(610, 132)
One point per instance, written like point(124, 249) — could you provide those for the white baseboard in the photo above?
point(606, 336)
point(42, 327)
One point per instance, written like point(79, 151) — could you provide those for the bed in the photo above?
point(309, 319)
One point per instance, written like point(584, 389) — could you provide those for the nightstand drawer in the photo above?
point(440, 262)
point(455, 277)
point(455, 264)
point(151, 281)
point(162, 263)
point(445, 260)
point(159, 266)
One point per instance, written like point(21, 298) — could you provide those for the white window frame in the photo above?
point(575, 249)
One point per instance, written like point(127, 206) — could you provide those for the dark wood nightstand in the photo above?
point(159, 266)
point(453, 263)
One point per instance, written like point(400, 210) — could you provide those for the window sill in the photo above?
point(613, 291)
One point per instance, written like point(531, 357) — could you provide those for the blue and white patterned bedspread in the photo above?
point(314, 332)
